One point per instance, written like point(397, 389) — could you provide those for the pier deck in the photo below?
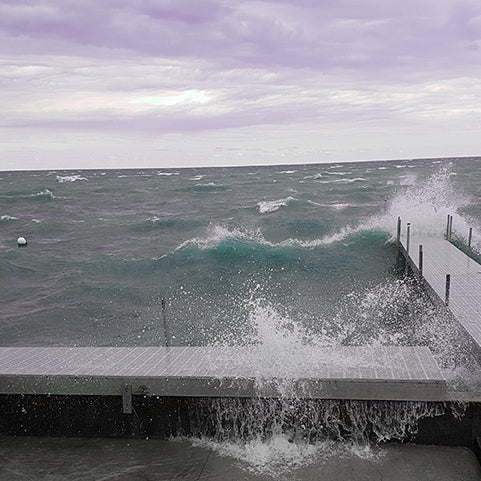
point(377, 373)
point(440, 257)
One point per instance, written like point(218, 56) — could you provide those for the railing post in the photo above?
point(421, 261)
point(164, 321)
point(398, 236)
point(127, 399)
point(448, 288)
point(408, 237)
point(447, 227)
point(470, 237)
point(450, 227)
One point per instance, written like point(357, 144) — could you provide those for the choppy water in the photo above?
point(279, 256)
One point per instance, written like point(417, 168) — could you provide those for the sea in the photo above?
point(274, 256)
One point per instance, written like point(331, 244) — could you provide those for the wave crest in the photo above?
point(7, 218)
point(69, 178)
point(269, 206)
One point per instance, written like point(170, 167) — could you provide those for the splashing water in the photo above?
point(425, 204)
point(279, 457)
point(274, 437)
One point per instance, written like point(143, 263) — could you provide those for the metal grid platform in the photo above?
point(440, 257)
point(387, 373)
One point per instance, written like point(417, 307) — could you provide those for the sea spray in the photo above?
point(310, 420)
point(274, 437)
point(425, 203)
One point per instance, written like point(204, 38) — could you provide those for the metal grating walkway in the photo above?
point(384, 373)
point(440, 257)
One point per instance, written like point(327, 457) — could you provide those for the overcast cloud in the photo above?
point(190, 82)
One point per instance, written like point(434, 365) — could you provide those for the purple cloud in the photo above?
point(320, 35)
point(175, 67)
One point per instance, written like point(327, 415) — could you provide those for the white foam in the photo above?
point(197, 177)
point(408, 180)
point(326, 240)
point(279, 456)
point(343, 181)
point(45, 192)
point(425, 203)
point(338, 173)
point(70, 178)
point(167, 174)
point(8, 217)
point(339, 206)
point(218, 233)
point(269, 206)
point(209, 184)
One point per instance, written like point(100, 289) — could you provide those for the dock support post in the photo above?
point(421, 261)
point(164, 322)
point(408, 238)
point(470, 237)
point(448, 288)
point(398, 235)
point(127, 399)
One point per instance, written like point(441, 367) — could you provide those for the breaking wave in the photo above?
point(238, 240)
point(70, 178)
point(269, 206)
point(210, 187)
point(425, 203)
point(8, 218)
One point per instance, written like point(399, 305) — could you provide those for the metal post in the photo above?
point(420, 261)
point(398, 236)
point(164, 320)
point(127, 399)
point(448, 288)
point(470, 237)
point(408, 238)
point(450, 227)
point(447, 228)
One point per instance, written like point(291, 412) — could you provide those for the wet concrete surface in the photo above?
point(89, 459)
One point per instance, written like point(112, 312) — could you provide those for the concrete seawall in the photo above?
point(101, 416)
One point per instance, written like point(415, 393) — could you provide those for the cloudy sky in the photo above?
point(167, 83)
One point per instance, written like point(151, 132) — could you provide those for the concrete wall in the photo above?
point(95, 416)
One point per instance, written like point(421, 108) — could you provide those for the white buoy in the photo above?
point(22, 242)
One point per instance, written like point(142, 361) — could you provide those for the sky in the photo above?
point(177, 83)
